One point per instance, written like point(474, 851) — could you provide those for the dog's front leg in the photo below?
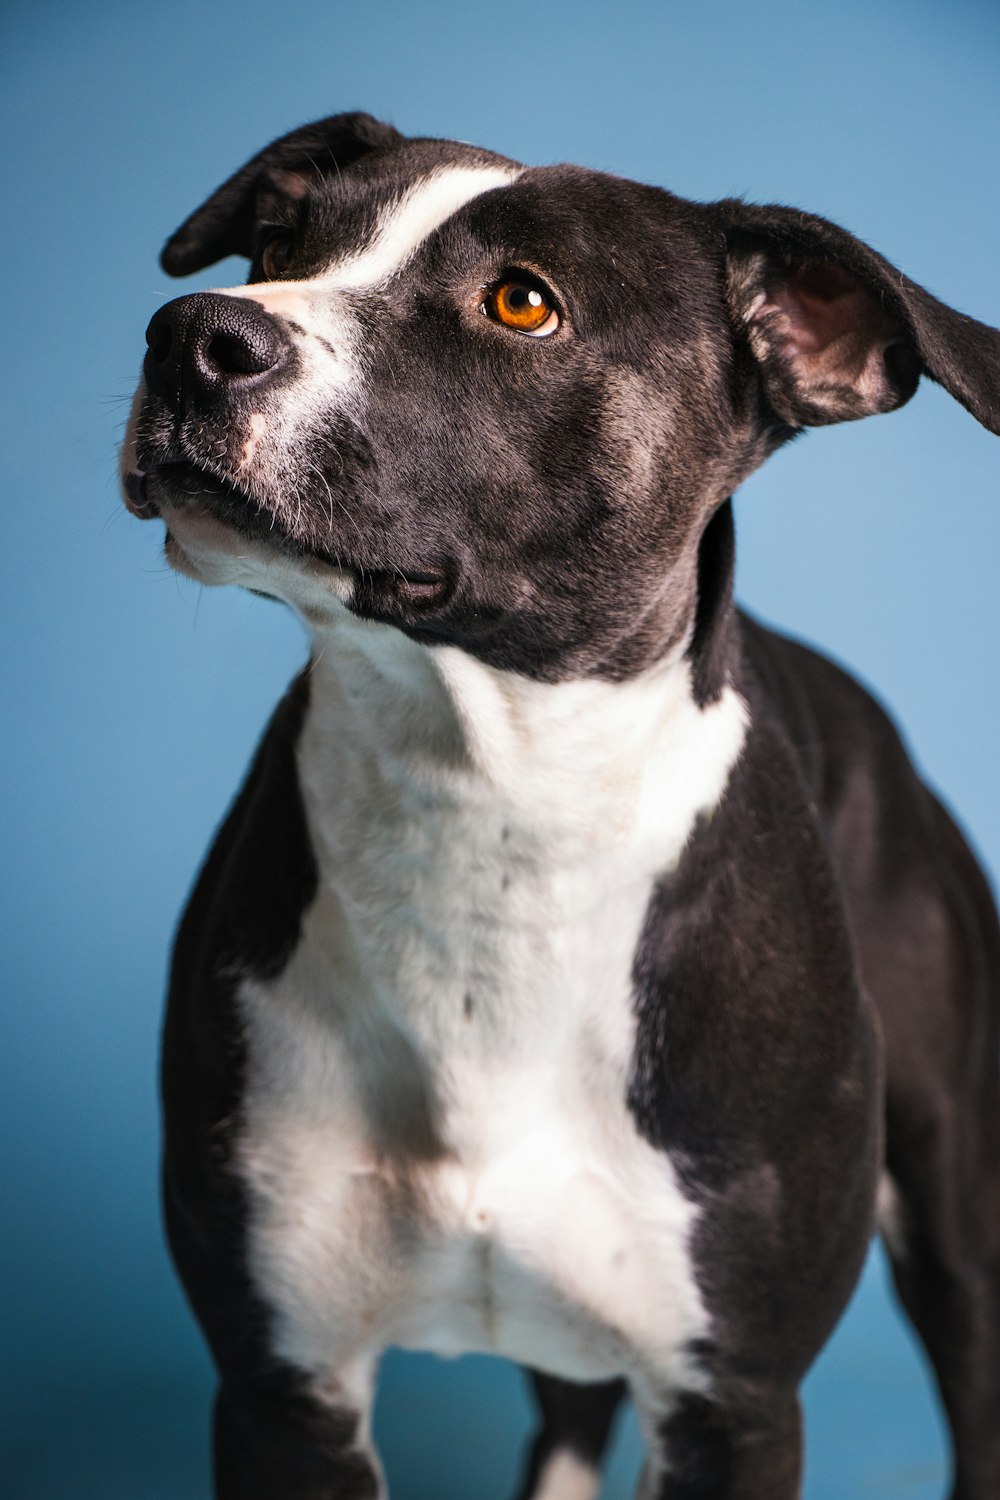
point(702, 1451)
point(573, 1434)
point(275, 1439)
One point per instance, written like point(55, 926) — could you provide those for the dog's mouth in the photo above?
point(177, 491)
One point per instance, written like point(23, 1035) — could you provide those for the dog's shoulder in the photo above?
point(260, 874)
point(833, 722)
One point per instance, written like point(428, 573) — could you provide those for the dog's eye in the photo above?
point(277, 252)
point(523, 304)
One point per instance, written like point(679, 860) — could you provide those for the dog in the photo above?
point(582, 971)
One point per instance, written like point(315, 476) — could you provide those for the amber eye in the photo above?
point(523, 305)
point(277, 253)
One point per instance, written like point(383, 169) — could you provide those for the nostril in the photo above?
point(231, 354)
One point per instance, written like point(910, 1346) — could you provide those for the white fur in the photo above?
point(320, 318)
point(891, 1215)
point(566, 1477)
point(421, 210)
point(438, 1146)
point(399, 232)
point(212, 553)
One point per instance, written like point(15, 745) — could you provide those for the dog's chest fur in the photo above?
point(436, 1140)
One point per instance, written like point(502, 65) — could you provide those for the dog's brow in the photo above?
point(402, 228)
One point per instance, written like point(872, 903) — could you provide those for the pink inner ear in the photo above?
point(822, 303)
point(833, 334)
point(289, 182)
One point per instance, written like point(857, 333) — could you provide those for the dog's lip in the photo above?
point(413, 586)
point(179, 482)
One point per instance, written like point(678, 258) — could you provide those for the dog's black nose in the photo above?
point(202, 346)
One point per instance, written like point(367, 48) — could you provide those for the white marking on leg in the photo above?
point(566, 1477)
point(891, 1214)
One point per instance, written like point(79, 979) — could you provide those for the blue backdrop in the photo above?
point(132, 700)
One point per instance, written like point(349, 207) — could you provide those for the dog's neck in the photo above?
point(713, 638)
point(441, 703)
point(408, 726)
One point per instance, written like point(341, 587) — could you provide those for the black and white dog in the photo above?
point(581, 963)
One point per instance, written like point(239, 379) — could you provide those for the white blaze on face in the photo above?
point(399, 232)
point(404, 227)
point(283, 299)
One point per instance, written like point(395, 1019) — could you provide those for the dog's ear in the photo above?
point(836, 330)
point(224, 224)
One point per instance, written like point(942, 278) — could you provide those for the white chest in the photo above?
point(438, 1147)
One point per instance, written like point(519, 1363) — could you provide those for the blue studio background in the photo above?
point(132, 699)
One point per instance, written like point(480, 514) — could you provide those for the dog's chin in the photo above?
point(206, 549)
point(217, 534)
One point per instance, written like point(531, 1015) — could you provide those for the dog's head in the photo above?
point(499, 406)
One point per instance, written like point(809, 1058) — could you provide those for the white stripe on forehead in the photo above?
point(403, 227)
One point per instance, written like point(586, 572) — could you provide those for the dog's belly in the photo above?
point(519, 1213)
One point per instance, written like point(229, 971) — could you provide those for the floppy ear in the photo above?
point(224, 224)
point(836, 330)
